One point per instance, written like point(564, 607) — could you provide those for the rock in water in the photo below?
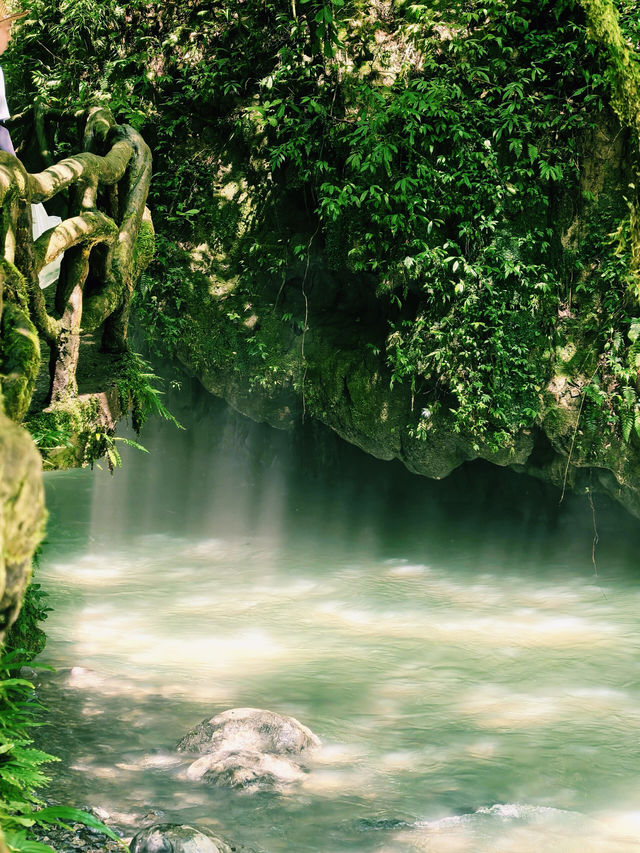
point(249, 748)
point(249, 729)
point(513, 827)
point(177, 838)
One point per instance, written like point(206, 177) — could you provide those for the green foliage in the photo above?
point(63, 434)
point(138, 394)
point(158, 301)
point(25, 634)
point(51, 433)
point(74, 434)
point(22, 773)
point(21, 766)
point(64, 815)
point(439, 184)
point(103, 445)
point(19, 841)
point(436, 176)
point(612, 397)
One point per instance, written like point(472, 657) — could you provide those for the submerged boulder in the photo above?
point(513, 826)
point(177, 838)
point(249, 748)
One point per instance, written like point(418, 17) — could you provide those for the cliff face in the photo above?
point(316, 346)
point(418, 226)
point(343, 384)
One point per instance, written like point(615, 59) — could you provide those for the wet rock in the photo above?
point(336, 369)
point(249, 748)
point(247, 770)
point(30, 674)
point(366, 824)
point(177, 838)
point(80, 678)
point(249, 729)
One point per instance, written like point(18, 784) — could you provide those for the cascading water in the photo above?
point(475, 686)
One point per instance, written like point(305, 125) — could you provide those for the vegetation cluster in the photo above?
point(431, 165)
point(22, 765)
point(434, 154)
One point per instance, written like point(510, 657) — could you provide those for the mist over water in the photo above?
point(475, 685)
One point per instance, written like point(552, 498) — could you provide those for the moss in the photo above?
point(145, 246)
point(558, 422)
point(604, 27)
point(66, 434)
point(22, 513)
point(20, 362)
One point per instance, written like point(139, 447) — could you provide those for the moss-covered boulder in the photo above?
point(20, 360)
point(22, 516)
point(77, 431)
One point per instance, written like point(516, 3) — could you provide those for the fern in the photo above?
point(627, 421)
point(139, 394)
point(633, 355)
point(21, 765)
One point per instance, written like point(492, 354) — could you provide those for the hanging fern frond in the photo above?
point(627, 421)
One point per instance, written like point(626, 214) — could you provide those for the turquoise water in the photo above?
point(475, 685)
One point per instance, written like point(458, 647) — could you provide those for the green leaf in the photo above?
point(633, 356)
point(131, 443)
point(634, 330)
point(58, 814)
point(19, 842)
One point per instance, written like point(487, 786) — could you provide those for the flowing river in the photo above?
point(475, 684)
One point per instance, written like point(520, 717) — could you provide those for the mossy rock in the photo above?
point(145, 245)
point(20, 360)
point(22, 516)
point(75, 433)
